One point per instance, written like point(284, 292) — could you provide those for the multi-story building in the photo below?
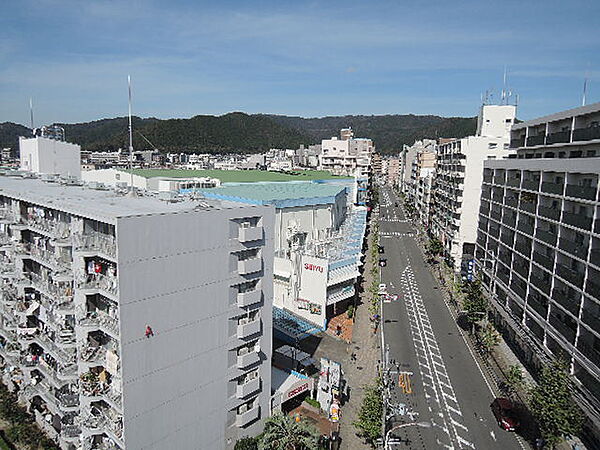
point(393, 171)
point(407, 159)
point(348, 156)
point(538, 244)
point(132, 322)
point(457, 184)
point(50, 154)
point(421, 182)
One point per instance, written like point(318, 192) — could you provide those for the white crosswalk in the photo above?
point(438, 389)
point(395, 234)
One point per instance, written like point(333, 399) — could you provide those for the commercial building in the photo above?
point(457, 184)
point(131, 322)
point(317, 240)
point(348, 156)
point(538, 245)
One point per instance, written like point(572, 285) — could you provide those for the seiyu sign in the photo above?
point(313, 282)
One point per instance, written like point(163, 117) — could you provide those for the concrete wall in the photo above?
point(496, 120)
point(43, 155)
point(175, 275)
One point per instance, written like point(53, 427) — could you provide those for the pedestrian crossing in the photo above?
point(396, 234)
point(395, 220)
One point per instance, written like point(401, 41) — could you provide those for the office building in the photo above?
point(538, 245)
point(132, 322)
point(457, 184)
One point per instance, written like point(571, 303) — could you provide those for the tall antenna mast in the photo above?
point(130, 134)
point(585, 80)
point(31, 112)
point(503, 97)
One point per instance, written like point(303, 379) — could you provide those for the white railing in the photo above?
point(96, 241)
point(100, 318)
point(56, 228)
point(106, 283)
point(47, 256)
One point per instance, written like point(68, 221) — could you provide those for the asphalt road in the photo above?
point(442, 383)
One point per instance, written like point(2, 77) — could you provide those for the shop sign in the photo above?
point(297, 390)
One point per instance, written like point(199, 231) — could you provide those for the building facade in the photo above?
point(348, 156)
point(538, 245)
point(51, 156)
point(457, 184)
point(131, 322)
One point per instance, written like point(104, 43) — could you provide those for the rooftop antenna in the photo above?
point(31, 113)
point(131, 191)
point(503, 97)
point(585, 81)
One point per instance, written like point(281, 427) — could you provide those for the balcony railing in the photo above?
point(248, 388)
point(248, 359)
point(544, 260)
point(243, 419)
point(47, 256)
point(100, 281)
point(63, 292)
point(248, 329)
point(250, 265)
point(550, 213)
point(536, 140)
point(559, 137)
point(55, 228)
point(578, 220)
point(99, 319)
point(579, 250)
point(586, 134)
point(584, 192)
point(100, 242)
point(248, 234)
point(249, 298)
point(50, 346)
point(552, 188)
point(570, 275)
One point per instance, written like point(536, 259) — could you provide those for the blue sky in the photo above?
point(311, 58)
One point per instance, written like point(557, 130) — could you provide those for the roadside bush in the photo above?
point(350, 312)
point(312, 402)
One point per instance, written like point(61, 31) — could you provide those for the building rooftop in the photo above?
point(588, 109)
point(106, 204)
point(239, 176)
point(282, 195)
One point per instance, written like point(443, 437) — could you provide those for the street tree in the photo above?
point(488, 338)
point(284, 433)
point(246, 443)
point(475, 304)
point(435, 247)
point(514, 379)
point(552, 404)
point(370, 414)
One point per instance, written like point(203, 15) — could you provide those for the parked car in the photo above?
point(505, 413)
point(382, 289)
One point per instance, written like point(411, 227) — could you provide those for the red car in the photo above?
point(505, 413)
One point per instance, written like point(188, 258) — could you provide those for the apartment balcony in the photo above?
point(248, 329)
point(544, 261)
point(583, 192)
point(251, 265)
point(595, 257)
point(245, 418)
point(47, 257)
point(590, 318)
point(96, 242)
point(546, 236)
point(567, 332)
point(248, 388)
point(101, 320)
point(540, 282)
point(577, 220)
point(530, 185)
point(586, 134)
point(57, 376)
point(579, 250)
point(593, 289)
point(552, 188)
point(570, 275)
point(250, 234)
point(249, 298)
point(536, 140)
point(538, 306)
point(560, 137)
point(68, 357)
point(109, 284)
point(517, 142)
point(525, 227)
point(550, 213)
point(61, 292)
point(52, 228)
point(513, 181)
point(248, 359)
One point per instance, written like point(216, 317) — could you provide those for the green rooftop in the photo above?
point(279, 194)
point(238, 176)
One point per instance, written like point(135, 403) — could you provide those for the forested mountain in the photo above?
point(240, 132)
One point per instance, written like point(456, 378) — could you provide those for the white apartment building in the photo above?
point(408, 158)
point(457, 184)
point(131, 322)
point(538, 246)
point(348, 156)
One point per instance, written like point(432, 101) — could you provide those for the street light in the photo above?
point(403, 425)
